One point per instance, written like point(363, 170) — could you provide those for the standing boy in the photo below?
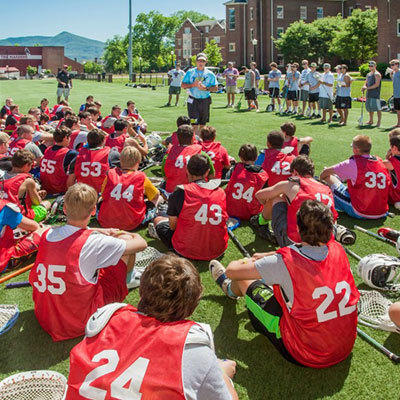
point(395, 76)
point(372, 86)
point(175, 80)
point(231, 74)
point(304, 86)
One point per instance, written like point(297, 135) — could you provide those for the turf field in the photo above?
point(261, 373)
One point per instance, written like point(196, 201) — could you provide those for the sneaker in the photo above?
point(151, 229)
point(168, 105)
point(217, 271)
point(133, 278)
point(262, 231)
point(257, 110)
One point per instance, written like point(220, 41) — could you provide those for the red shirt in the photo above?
point(310, 189)
point(110, 129)
point(321, 327)
point(91, 166)
point(218, 155)
point(7, 241)
point(175, 141)
point(72, 138)
point(123, 203)
point(17, 144)
point(116, 142)
point(394, 189)
point(241, 190)
point(52, 175)
point(175, 165)
point(12, 122)
point(293, 142)
point(201, 232)
point(148, 356)
point(369, 195)
point(277, 166)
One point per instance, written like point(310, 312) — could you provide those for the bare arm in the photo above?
point(326, 173)
point(242, 270)
point(272, 192)
point(28, 225)
point(173, 222)
point(378, 79)
point(29, 187)
point(388, 165)
point(71, 180)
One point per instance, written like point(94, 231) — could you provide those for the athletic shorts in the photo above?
point(279, 224)
point(304, 95)
point(250, 94)
point(274, 92)
point(292, 95)
point(343, 103)
point(40, 213)
point(373, 105)
point(396, 104)
point(199, 110)
point(313, 97)
point(265, 315)
point(174, 90)
point(63, 92)
point(230, 89)
point(165, 234)
point(113, 281)
point(325, 103)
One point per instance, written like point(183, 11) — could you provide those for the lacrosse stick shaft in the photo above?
point(375, 235)
point(238, 244)
point(16, 273)
point(351, 253)
point(395, 358)
point(16, 285)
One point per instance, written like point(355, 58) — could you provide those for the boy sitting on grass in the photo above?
point(310, 316)
point(169, 356)
point(246, 180)
point(392, 163)
point(77, 269)
point(124, 192)
point(296, 145)
point(173, 139)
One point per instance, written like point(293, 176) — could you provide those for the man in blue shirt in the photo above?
point(273, 78)
point(201, 82)
point(395, 75)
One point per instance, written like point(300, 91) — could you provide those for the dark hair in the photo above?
point(198, 165)
point(395, 141)
point(130, 102)
point(84, 114)
point(71, 121)
point(303, 165)
point(289, 128)
point(170, 289)
point(21, 158)
point(185, 134)
point(95, 138)
point(182, 120)
point(345, 67)
point(208, 133)
point(43, 118)
point(315, 222)
point(63, 103)
point(120, 125)
point(92, 110)
point(61, 132)
point(89, 97)
point(88, 105)
point(116, 107)
point(248, 152)
point(68, 113)
point(273, 64)
point(275, 139)
point(363, 143)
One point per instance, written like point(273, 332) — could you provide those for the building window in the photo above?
point(179, 42)
point(251, 13)
point(279, 12)
point(280, 60)
point(187, 30)
point(398, 28)
point(217, 39)
point(320, 12)
point(251, 34)
point(207, 29)
point(195, 45)
point(303, 12)
point(232, 47)
point(279, 32)
point(251, 57)
point(351, 10)
point(179, 52)
point(232, 19)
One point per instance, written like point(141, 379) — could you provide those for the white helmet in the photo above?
point(379, 271)
point(398, 245)
point(153, 140)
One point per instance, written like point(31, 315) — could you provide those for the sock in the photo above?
point(262, 220)
point(229, 290)
point(295, 109)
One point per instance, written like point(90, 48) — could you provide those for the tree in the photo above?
point(182, 15)
point(91, 67)
point(31, 71)
point(358, 38)
point(213, 52)
point(115, 55)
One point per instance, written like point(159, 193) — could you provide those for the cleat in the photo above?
point(262, 231)
point(151, 229)
point(217, 271)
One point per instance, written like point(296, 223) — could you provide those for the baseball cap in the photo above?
point(313, 64)
point(327, 65)
point(372, 63)
point(338, 67)
point(201, 56)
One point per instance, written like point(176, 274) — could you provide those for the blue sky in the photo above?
point(95, 19)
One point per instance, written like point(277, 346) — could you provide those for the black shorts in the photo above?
point(396, 103)
point(199, 110)
point(279, 224)
point(165, 234)
point(343, 102)
point(265, 313)
point(274, 92)
point(313, 97)
point(250, 94)
point(292, 95)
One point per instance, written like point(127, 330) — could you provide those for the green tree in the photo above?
point(213, 52)
point(31, 71)
point(115, 55)
point(358, 38)
point(91, 67)
point(195, 16)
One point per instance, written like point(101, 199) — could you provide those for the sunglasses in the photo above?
point(203, 61)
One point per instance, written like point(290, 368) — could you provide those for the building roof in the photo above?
point(8, 69)
point(211, 22)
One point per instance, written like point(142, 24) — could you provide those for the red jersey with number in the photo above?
point(17, 144)
point(218, 155)
point(150, 359)
point(292, 143)
point(310, 189)
point(369, 194)
point(116, 142)
point(201, 232)
point(319, 329)
point(123, 205)
point(109, 130)
point(277, 166)
point(175, 141)
point(52, 175)
point(394, 188)
point(176, 163)
point(241, 190)
point(91, 166)
point(64, 299)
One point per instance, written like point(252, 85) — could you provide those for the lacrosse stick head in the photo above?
point(8, 317)
point(380, 271)
point(33, 385)
point(233, 223)
point(344, 235)
point(373, 311)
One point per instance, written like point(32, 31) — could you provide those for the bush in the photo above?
point(364, 69)
point(381, 67)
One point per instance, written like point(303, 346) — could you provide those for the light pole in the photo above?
point(130, 42)
point(172, 58)
point(255, 41)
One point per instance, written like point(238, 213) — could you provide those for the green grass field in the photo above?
point(261, 373)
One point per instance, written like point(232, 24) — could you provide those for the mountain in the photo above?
point(75, 46)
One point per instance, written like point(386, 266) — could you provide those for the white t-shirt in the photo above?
point(326, 91)
point(176, 77)
point(303, 78)
point(99, 251)
point(81, 138)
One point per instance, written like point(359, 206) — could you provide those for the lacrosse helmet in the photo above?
point(153, 140)
point(379, 271)
point(398, 244)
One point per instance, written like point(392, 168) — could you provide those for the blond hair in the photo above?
point(130, 156)
point(79, 201)
point(4, 138)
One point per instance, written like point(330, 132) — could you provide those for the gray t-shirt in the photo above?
point(373, 93)
point(32, 147)
point(248, 78)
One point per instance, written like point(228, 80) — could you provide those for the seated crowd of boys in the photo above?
point(79, 278)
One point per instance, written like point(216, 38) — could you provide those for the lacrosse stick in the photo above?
point(361, 119)
point(16, 285)
point(33, 385)
point(351, 253)
point(375, 235)
point(16, 273)
point(143, 260)
point(373, 311)
point(239, 103)
point(232, 224)
point(8, 317)
point(389, 233)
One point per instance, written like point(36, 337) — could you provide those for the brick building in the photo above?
point(49, 57)
point(192, 38)
point(388, 30)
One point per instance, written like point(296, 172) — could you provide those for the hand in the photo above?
point(202, 87)
point(64, 84)
point(389, 154)
point(363, 89)
point(228, 367)
point(257, 256)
